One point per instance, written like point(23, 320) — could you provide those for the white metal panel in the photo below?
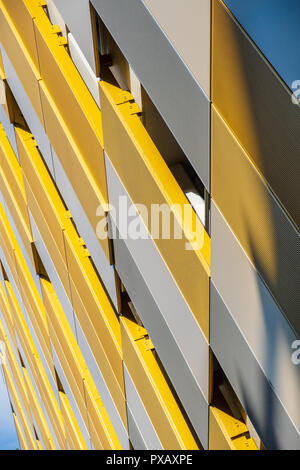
point(55, 17)
point(77, 16)
point(84, 68)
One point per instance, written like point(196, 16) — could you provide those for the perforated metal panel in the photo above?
point(258, 108)
point(261, 225)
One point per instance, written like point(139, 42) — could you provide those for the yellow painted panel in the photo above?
point(37, 369)
point(58, 261)
point(39, 444)
point(13, 172)
point(37, 411)
point(75, 385)
point(30, 440)
point(256, 218)
point(89, 294)
point(76, 371)
point(42, 186)
point(17, 215)
point(65, 346)
point(72, 360)
point(257, 105)
point(21, 15)
point(8, 243)
point(153, 389)
point(102, 433)
point(12, 187)
point(51, 405)
point(15, 372)
point(28, 289)
point(21, 328)
point(241, 195)
point(8, 239)
point(45, 204)
point(228, 433)
point(21, 436)
point(74, 164)
point(10, 258)
point(5, 310)
point(20, 59)
point(29, 399)
point(72, 97)
point(103, 361)
point(7, 100)
point(74, 436)
point(35, 309)
point(2, 73)
point(17, 376)
point(148, 181)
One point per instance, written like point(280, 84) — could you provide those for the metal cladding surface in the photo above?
point(149, 224)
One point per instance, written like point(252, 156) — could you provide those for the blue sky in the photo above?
point(274, 27)
point(8, 434)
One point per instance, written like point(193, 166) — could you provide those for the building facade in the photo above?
point(149, 223)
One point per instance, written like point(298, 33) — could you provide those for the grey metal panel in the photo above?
point(77, 16)
point(142, 420)
point(187, 26)
point(27, 110)
point(167, 348)
point(248, 380)
point(85, 229)
point(173, 90)
point(84, 68)
point(134, 433)
point(68, 391)
point(171, 325)
point(102, 388)
point(163, 287)
point(53, 276)
point(257, 315)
